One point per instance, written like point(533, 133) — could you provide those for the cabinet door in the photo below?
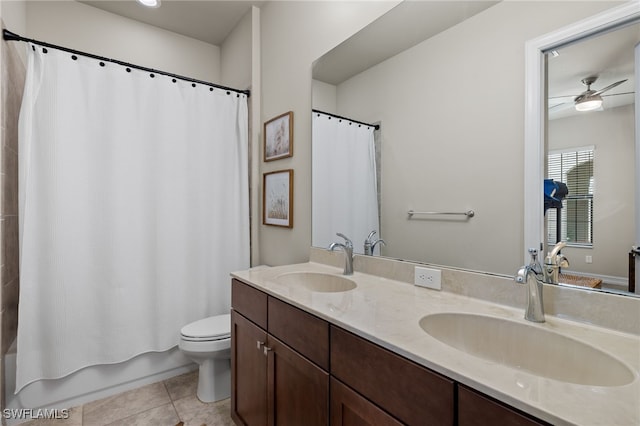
point(348, 408)
point(248, 372)
point(298, 390)
point(475, 409)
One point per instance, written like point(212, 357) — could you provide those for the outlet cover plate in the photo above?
point(427, 277)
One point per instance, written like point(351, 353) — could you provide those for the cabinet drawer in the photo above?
point(348, 408)
point(410, 392)
point(249, 302)
point(300, 330)
point(475, 409)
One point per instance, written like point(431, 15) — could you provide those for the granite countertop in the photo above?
point(388, 312)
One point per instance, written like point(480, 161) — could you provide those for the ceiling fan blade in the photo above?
point(618, 94)
point(560, 107)
point(568, 97)
point(609, 87)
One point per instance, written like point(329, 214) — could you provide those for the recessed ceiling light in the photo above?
point(150, 3)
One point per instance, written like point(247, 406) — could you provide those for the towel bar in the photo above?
point(469, 213)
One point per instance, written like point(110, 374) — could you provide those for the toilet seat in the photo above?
point(208, 329)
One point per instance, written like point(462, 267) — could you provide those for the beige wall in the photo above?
point(235, 55)
point(240, 68)
point(452, 113)
point(293, 35)
point(324, 96)
point(611, 132)
point(85, 28)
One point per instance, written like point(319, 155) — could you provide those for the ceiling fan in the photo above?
point(590, 100)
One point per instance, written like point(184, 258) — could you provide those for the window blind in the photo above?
point(575, 169)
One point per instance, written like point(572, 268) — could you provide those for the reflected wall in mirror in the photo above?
point(450, 106)
point(595, 151)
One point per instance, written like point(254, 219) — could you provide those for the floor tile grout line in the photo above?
point(164, 382)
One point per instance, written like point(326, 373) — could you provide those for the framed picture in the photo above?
point(278, 137)
point(277, 200)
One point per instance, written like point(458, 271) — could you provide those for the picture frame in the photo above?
point(278, 137)
point(277, 199)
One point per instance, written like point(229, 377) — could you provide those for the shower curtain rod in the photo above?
point(375, 126)
point(10, 36)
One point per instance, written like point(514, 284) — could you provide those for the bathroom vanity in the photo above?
point(310, 346)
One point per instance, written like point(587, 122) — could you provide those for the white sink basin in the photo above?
point(530, 348)
point(317, 281)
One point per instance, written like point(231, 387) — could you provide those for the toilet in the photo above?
point(208, 343)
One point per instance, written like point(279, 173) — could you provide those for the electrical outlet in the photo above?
point(588, 259)
point(426, 277)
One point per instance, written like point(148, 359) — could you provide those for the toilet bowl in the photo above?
point(208, 343)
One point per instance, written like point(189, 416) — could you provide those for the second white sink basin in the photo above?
point(317, 281)
point(530, 348)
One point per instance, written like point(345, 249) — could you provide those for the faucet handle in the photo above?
point(562, 261)
point(348, 242)
point(370, 236)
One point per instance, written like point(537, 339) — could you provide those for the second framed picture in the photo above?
point(277, 199)
point(278, 137)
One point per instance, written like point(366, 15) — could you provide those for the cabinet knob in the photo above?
point(266, 350)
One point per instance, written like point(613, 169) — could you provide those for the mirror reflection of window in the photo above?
point(575, 169)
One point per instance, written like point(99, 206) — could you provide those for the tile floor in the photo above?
point(165, 403)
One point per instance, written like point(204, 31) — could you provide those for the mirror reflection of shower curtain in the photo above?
point(344, 192)
point(133, 211)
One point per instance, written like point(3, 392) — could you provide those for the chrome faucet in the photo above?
point(370, 245)
point(553, 262)
point(532, 276)
point(347, 247)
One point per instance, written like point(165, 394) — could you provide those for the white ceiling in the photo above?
point(404, 26)
point(208, 21)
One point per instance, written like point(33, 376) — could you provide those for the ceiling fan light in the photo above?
point(589, 103)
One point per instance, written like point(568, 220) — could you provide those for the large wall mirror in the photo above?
point(587, 141)
point(444, 81)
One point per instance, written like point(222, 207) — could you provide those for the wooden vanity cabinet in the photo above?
point(476, 409)
point(289, 367)
point(273, 378)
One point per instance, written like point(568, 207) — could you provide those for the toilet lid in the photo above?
point(212, 328)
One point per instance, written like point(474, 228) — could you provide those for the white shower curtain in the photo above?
point(344, 190)
point(133, 210)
